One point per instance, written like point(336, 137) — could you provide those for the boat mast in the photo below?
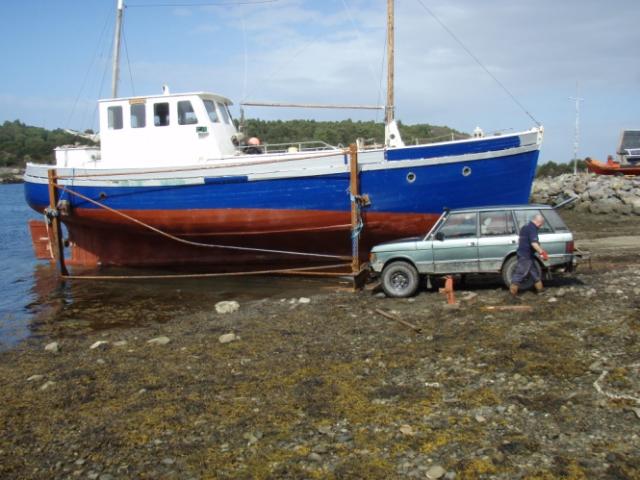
point(389, 109)
point(116, 49)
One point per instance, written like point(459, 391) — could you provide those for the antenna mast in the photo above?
point(390, 108)
point(116, 49)
point(576, 138)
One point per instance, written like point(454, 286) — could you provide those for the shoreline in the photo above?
point(324, 386)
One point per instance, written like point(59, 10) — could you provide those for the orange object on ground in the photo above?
point(448, 290)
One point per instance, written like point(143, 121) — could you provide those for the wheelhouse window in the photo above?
point(211, 110)
point(224, 113)
point(497, 223)
point(115, 118)
point(186, 114)
point(138, 116)
point(525, 216)
point(459, 225)
point(161, 114)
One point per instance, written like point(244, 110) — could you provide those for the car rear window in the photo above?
point(524, 216)
point(553, 219)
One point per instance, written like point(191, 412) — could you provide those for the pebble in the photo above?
point(227, 338)
point(159, 341)
point(97, 344)
point(47, 384)
point(552, 300)
point(228, 306)
point(435, 472)
point(407, 430)
point(52, 347)
point(120, 343)
point(315, 457)
point(35, 378)
point(304, 300)
point(168, 461)
point(105, 476)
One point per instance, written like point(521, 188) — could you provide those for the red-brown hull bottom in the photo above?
point(98, 237)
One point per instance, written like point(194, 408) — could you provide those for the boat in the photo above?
point(628, 153)
point(173, 183)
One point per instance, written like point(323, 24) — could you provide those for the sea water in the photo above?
point(34, 302)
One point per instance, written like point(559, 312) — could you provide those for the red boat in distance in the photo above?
point(611, 167)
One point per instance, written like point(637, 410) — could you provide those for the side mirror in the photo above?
point(440, 236)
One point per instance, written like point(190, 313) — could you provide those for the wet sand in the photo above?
point(330, 388)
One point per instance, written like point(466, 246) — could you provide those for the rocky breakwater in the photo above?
point(598, 194)
point(11, 175)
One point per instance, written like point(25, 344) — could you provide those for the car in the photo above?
point(472, 240)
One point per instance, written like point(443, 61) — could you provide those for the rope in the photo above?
point(204, 275)
point(477, 60)
point(192, 243)
point(204, 167)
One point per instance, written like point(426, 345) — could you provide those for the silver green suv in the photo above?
point(471, 240)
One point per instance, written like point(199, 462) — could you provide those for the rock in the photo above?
point(480, 419)
point(324, 429)
point(552, 300)
point(105, 476)
point(315, 457)
point(159, 341)
point(97, 344)
point(47, 384)
point(168, 461)
point(35, 378)
point(120, 343)
point(304, 300)
point(52, 347)
point(227, 338)
point(469, 297)
point(225, 307)
point(435, 472)
point(407, 430)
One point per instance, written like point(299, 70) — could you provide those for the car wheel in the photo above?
point(510, 266)
point(400, 279)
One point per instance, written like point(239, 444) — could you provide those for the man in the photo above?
point(528, 245)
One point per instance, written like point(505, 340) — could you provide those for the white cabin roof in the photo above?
point(213, 96)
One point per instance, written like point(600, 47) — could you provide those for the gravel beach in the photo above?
point(327, 386)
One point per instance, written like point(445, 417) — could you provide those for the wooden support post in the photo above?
point(56, 230)
point(354, 189)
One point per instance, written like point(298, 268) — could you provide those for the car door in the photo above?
point(455, 244)
point(498, 238)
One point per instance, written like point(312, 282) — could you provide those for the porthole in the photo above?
point(102, 195)
point(411, 177)
point(466, 171)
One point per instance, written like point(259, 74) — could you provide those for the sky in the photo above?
point(56, 61)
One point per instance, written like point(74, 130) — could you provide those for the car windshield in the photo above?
point(459, 225)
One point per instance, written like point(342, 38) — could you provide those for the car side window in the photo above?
point(497, 223)
point(459, 225)
point(524, 216)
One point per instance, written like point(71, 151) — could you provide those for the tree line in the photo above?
point(21, 143)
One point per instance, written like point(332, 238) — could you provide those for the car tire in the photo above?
point(400, 279)
point(510, 266)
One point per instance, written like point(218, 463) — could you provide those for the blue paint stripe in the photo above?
point(226, 179)
point(506, 180)
point(478, 146)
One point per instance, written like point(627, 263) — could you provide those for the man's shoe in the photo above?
point(513, 289)
point(538, 286)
